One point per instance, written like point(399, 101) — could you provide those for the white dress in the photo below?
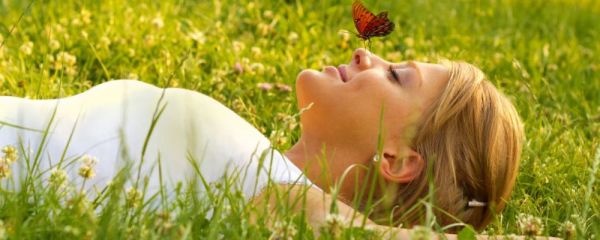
point(196, 138)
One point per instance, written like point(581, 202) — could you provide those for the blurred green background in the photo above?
point(545, 55)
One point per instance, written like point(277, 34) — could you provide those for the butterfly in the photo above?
point(368, 24)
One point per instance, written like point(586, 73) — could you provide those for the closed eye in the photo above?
point(394, 74)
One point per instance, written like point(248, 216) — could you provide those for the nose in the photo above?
point(361, 58)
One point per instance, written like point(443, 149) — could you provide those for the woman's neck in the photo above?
point(322, 163)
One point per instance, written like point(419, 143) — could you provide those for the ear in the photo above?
point(401, 169)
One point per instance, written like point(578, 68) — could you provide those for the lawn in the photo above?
point(545, 55)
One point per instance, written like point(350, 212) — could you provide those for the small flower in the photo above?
point(198, 36)
point(104, 42)
point(133, 76)
point(293, 37)
point(264, 86)
point(89, 160)
point(258, 68)
point(158, 22)
point(282, 230)
point(238, 46)
point(63, 60)
point(71, 71)
point(76, 22)
point(529, 225)
point(87, 172)
point(87, 167)
point(26, 48)
point(133, 197)
point(421, 233)
point(4, 169)
point(264, 29)
point(283, 87)
point(10, 154)
point(58, 178)
point(54, 44)
point(149, 40)
point(86, 16)
point(238, 68)
point(334, 224)
point(268, 14)
point(344, 35)
point(569, 230)
point(256, 51)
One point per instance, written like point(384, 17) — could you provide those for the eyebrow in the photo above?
point(418, 69)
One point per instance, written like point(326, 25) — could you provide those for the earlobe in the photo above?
point(401, 169)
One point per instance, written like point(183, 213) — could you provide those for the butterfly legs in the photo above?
point(367, 44)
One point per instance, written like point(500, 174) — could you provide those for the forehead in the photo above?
point(434, 79)
point(434, 72)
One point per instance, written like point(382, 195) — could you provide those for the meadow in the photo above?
point(545, 55)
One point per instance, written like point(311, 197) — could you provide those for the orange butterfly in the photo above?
point(368, 24)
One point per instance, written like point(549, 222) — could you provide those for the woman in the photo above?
point(369, 121)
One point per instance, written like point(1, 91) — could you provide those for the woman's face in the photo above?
point(351, 101)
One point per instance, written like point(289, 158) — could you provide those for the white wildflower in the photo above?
point(89, 160)
point(10, 154)
point(293, 37)
point(133, 197)
point(258, 68)
point(86, 170)
point(149, 40)
point(421, 233)
point(238, 46)
point(58, 178)
point(569, 230)
point(198, 36)
point(66, 58)
point(529, 225)
point(158, 22)
point(256, 51)
point(334, 224)
point(4, 169)
point(54, 44)
point(283, 230)
point(133, 76)
point(104, 42)
point(76, 22)
point(86, 16)
point(344, 35)
point(268, 14)
point(26, 48)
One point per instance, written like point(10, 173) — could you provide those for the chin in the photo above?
point(306, 85)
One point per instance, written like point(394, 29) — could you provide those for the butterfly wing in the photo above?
point(379, 26)
point(362, 17)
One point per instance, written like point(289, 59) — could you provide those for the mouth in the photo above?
point(342, 70)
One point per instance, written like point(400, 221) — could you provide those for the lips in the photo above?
point(343, 74)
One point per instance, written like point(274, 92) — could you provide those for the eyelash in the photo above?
point(394, 74)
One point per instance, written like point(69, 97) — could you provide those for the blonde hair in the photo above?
point(471, 139)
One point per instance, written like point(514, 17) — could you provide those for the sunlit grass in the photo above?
point(543, 54)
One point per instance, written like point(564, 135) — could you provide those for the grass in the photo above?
point(543, 54)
